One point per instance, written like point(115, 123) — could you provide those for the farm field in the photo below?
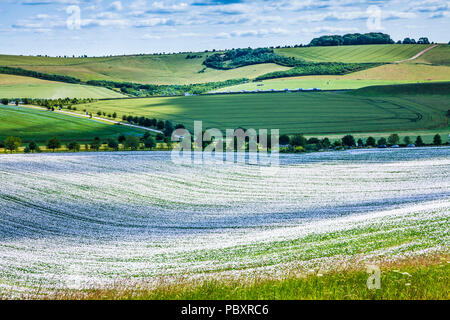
point(156, 69)
point(438, 56)
point(39, 126)
point(105, 218)
point(361, 53)
point(176, 69)
point(308, 113)
point(308, 82)
point(388, 74)
point(26, 87)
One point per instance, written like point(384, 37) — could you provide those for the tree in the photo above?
point(146, 136)
point(407, 140)
point(114, 115)
point(99, 113)
point(437, 141)
point(132, 142)
point(53, 143)
point(360, 142)
point(5, 101)
point(284, 139)
point(33, 146)
point(122, 138)
point(298, 140)
point(407, 41)
point(448, 113)
point(160, 125)
point(159, 137)
point(419, 141)
point(313, 141)
point(393, 139)
point(113, 144)
point(348, 141)
point(370, 141)
point(96, 144)
point(382, 141)
point(149, 143)
point(325, 142)
point(423, 40)
point(12, 143)
point(168, 128)
point(73, 146)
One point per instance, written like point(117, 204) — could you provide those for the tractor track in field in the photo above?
point(418, 54)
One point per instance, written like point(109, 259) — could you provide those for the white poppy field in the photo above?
point(91, 219)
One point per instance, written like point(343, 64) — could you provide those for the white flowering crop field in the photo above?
point(91, 219)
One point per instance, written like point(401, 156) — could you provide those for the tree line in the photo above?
point(352, 39)
point(299, 143)
point(322, 68)
point(144, 90)
point(361, 39)
point(237, 58)
point(295, 143)
point(38, 75)
point(130, 142)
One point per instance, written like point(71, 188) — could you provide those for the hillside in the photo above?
point(26, 87)
point(38, 125)
point(183, 69)
point(439, 56)
point(309, 113)
point(357, 54)
point(153, 69)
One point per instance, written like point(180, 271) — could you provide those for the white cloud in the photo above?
point(116, 6)
point(152, 22)
point(252, 33)
point(328, 29)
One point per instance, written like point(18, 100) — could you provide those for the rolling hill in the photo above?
point(310, 113)
point(38, 125)
point(359, 54)
point(383, 75)
point(152, 69)
point(181, 69)
point(26, 87)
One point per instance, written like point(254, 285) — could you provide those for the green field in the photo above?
point(25, 87)
point(359, 54)
point(383, 75)
point(308, 113)
point(437, 56)
point(39, 125)
point(322, 82)
point(157, 69)
point(176, 69)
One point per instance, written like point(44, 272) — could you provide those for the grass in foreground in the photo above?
point(410, 279)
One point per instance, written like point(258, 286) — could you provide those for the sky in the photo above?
point(113, 27)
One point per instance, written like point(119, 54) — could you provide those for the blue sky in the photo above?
point(111, 27)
